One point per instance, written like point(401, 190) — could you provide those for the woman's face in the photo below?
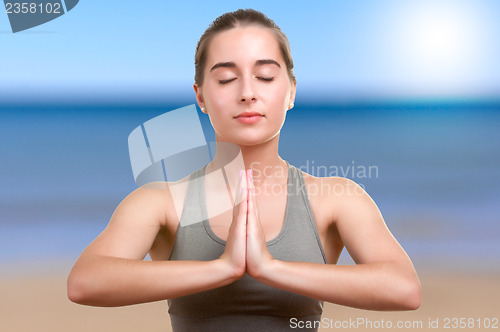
point(246, 88)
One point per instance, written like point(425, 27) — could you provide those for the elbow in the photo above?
point(416, 297)
point(75, 289)
point(411, 296)
point(78, 289)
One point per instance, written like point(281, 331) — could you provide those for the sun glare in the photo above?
point(439, 35)
point(437, 38)
point(437, 43)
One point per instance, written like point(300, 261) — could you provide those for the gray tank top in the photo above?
point(246, 304)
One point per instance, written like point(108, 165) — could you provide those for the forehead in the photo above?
point(242, 44)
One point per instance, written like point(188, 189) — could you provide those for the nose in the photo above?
point(247, 91)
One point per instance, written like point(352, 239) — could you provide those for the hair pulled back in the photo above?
point(240, 17)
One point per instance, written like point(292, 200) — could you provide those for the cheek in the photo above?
point(218, 102)
point(219, 98)
point(280, 94)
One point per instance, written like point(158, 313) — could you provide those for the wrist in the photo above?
point(266, 271)
point(230, 272)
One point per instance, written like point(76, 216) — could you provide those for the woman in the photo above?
point(250, 269)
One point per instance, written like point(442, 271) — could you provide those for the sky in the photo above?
point(343, 50)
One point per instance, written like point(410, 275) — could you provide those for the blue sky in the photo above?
point(134, 50)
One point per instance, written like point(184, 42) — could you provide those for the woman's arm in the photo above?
point(111, 270)
point(383, 277)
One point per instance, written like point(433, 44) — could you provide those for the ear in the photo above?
point(292, 93)
point(199, 97)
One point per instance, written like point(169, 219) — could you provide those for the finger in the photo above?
point(240, 209)
point(237, 193)
point(251, 205)
point(243, 206)
point(253, 215)
point(244, 201)
point(251, 189)
point(244, 181)
point(255, 207)
point(249, 174)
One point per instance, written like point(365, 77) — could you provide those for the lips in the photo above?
point(249, 117)
point(249, 114)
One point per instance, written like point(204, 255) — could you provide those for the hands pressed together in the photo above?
point(246, 250)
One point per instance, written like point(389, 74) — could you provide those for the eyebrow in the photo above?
point(267, 62)
point(231, 64)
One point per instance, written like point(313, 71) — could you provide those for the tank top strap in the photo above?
point(191, 212)
point(299, 219)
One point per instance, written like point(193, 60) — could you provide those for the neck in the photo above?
point(263, 159)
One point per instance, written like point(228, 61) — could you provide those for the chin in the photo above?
point(254, 140)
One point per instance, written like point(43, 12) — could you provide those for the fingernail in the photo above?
point(251, 174)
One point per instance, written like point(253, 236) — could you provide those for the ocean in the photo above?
point(431, 167)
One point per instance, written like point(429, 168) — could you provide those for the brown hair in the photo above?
point(243, 17)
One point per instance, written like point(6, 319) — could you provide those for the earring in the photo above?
point(203, 109)
point(291, 105)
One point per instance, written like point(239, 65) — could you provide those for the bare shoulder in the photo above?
point(151, 199)
point(160, 202)
point(357, 218)
point(336, 195)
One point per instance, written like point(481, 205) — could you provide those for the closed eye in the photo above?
point(266, 79)
point(226, 81)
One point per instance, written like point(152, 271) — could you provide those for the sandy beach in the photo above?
point(35, 300)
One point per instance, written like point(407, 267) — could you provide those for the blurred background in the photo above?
point(403, 97)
